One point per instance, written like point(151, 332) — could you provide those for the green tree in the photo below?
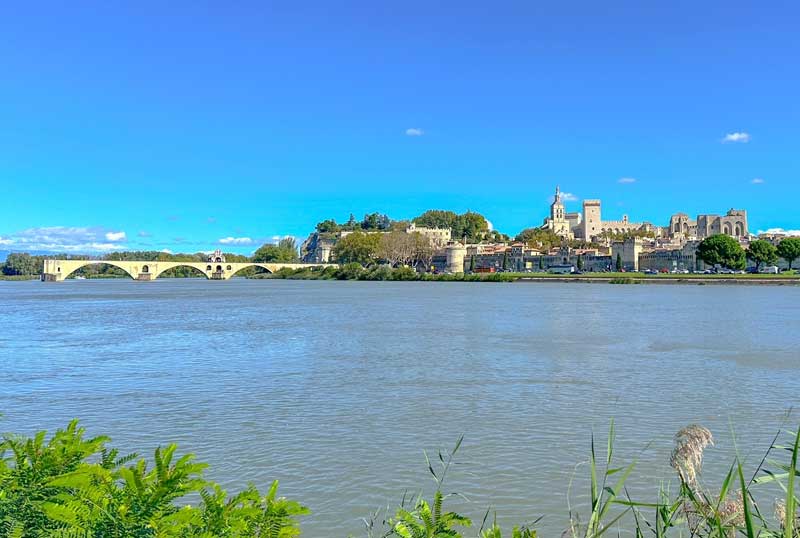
point(472, 264)
point(539, 238)
point(789, 249)
point(357, 247)
point(619, 262)
point(289, 243)
point(284, 252)
point(327, 226)
point(470, 224)
point(505, 261)
point(437, 218)
point(722, 250)
point(22, 264)
point(376, 221)
point(580, 262)
point(762, 252)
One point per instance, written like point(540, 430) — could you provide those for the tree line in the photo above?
point(470, 224)
point(725, 251)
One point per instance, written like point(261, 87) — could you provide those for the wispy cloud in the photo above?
point(142, 233)
point(74, 239)
point(235, 241)
point(780, 231)
point(415, 131)
point(626, 180)
point(276, 238)
point(757, 181)
point(740, 137)
point(565, 197)
point(4, 241)
point(116, 236)
point(211, 220)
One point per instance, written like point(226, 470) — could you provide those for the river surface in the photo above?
point(336, 388)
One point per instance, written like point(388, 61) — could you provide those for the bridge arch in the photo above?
point(69, 267)
point(242, 266)
point(198, 268)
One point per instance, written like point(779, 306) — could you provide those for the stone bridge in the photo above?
point(58, 270)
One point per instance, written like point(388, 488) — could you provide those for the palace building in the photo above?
point(590, 226)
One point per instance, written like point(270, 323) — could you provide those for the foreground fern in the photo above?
point(74, 487)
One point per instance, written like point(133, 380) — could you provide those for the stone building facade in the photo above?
point(678, 259)
point(628, 251)
point(439, 237)
point(733, 223)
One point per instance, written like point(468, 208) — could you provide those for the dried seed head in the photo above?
point(731, 511)
point(780, 514)
point(780, 511)
point(687, 456)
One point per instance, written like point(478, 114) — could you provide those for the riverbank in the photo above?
point(13, 278)
point(640, 278)
point(383, 273)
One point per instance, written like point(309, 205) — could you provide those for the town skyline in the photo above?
point(103, 241)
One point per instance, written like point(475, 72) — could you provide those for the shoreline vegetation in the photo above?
point(70, 485)
point(355, 271)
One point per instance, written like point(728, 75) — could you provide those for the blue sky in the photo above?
point(191, 125)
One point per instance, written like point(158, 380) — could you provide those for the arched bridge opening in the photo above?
point(93, 269)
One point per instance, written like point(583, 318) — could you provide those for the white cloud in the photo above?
point(73, 239)
point(144, 234)
point(4, 241)
point(565, 197)
point(795, 233)
point(741, 137)
point(626, 180)
point(757, 181)
point(116, 236)
point(167, 251)
point(414, 131)
point(235, 241)
point(489, 223)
